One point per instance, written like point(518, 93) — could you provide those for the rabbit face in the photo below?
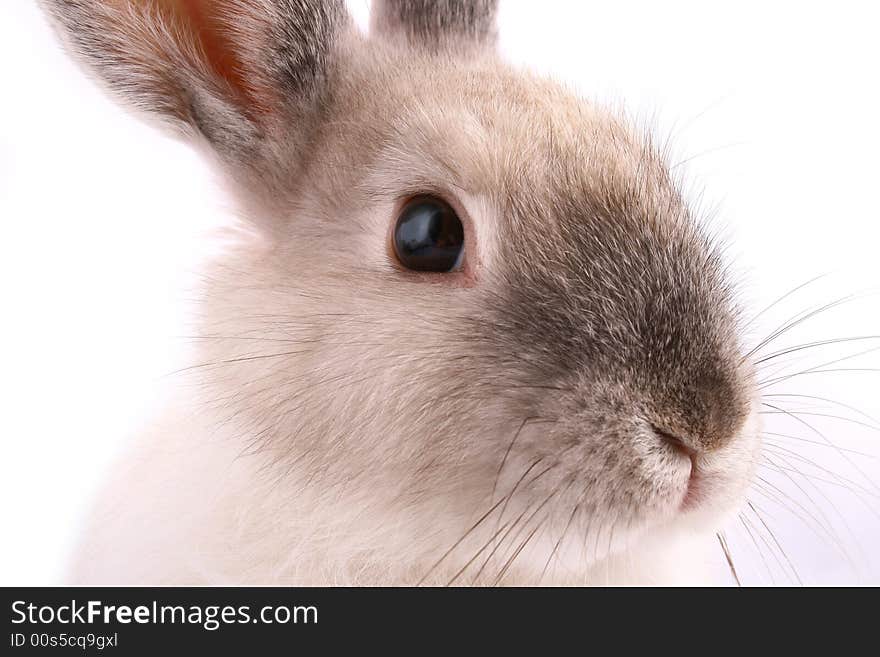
point(581, 369)
point(566, 383)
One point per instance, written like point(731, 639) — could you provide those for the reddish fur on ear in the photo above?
point(206, 24)
point(239, 72)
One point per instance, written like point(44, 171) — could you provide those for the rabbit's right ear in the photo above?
point(244, 74)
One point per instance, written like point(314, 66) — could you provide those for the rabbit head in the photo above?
point(472, 314)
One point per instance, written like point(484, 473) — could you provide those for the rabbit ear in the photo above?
point(239, 72)
point(436, 24)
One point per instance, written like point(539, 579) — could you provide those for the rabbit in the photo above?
point(469, 330)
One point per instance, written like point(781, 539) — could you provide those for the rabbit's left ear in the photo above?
point(436, 24)
point(246, 75)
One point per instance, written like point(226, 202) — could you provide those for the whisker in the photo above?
point(507, 454)
point(819, 444)
point(571, 517)
point(527, 520)
point(459, 541)
point(825, 526)
point(726, 549)
point(842, 481)
point(748, 526)
point(797, 320)
point(817, 369)
point(518, 551)
point(708, 151)
point(497, 546)
point(516, 486)
point(842, 454)
point(813, 345)
point(783, 298)
point(780, 497)
point(477, 554)
point(830, 401)
point(825, 415)
point(755, 510)
point(817, 506)
point(241, 359)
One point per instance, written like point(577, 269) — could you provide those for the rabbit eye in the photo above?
point(429, 236)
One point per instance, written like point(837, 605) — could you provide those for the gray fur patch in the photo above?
point(435, 23)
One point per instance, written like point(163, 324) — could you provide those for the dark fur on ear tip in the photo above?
point(436, 23)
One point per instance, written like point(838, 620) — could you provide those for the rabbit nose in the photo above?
point(675, 441)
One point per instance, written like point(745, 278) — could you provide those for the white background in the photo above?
point(774, 107)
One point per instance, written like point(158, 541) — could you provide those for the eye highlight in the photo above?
point(428, 235)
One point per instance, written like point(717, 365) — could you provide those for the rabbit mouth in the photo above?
point(686, 459)
point(597, 497)
point(692, 493)
point(696, 488)
point(717, 480)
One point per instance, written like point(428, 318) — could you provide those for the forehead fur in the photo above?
point(487, 126)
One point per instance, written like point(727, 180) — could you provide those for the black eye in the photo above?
point(428, 235)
